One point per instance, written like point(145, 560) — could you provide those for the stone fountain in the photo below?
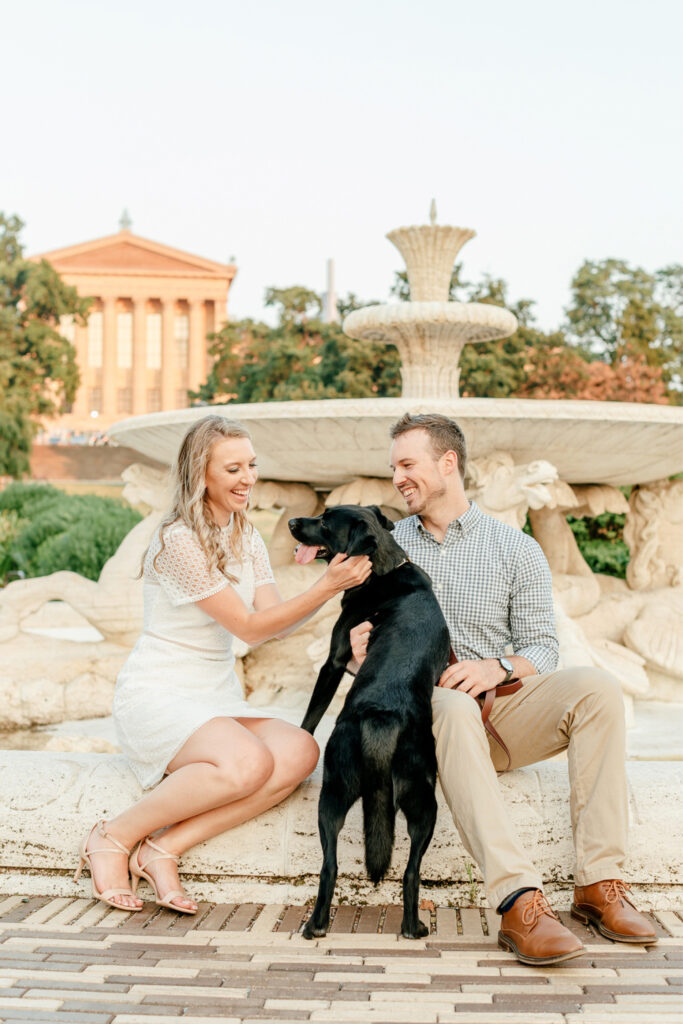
point(429, 331)
point(544, 459)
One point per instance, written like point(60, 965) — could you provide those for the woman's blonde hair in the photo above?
point(189, 500)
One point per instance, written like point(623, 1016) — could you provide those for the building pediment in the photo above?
point(126, 253)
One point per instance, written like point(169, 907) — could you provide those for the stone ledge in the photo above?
point(50, 800)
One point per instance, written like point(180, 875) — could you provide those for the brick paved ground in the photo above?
point(77, 962)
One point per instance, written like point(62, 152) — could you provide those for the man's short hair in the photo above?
point(444, 434)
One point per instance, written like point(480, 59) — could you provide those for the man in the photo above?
point(495, 589)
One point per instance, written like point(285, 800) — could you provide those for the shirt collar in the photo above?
point(462, 525)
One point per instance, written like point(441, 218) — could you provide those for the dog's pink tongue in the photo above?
point(305, 554)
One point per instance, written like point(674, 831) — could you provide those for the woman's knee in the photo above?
point(247, 773)
point(297, 759)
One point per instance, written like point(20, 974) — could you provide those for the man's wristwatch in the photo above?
point(509, 669)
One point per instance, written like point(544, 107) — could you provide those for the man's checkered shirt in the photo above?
point(493, 584)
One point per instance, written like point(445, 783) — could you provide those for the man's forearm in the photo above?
point(522, 667)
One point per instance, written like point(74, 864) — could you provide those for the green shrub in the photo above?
point(43, 530)
point(601, 542)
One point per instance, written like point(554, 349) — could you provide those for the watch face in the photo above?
point(507, 665)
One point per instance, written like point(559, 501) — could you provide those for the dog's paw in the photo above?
point(418, 932)
point(310, 932)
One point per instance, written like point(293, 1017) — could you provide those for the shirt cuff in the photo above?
point(544, 659)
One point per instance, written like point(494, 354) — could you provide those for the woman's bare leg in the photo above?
point(225, 762)
point(294, 753)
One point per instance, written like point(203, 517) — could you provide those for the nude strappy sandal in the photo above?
point(138, 872)
point(106, 896)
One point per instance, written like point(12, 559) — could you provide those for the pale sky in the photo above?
point(284, 133)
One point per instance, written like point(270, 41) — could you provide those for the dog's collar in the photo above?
point(404, 562)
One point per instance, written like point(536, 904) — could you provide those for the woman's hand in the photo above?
point(276, 618)
point(344, 572)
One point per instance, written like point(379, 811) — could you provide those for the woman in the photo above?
point(180, 715)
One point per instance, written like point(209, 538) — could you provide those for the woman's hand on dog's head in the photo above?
point(344, 572)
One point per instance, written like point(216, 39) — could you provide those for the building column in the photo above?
point(220, 306)
point(168, 359)
point(139, 356)
point(197, 357)
point(109, 360)
point(81, 346)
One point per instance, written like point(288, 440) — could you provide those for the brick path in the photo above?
point(75, 961)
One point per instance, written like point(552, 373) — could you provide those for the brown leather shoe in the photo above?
point(534, 933)
point(606, 905)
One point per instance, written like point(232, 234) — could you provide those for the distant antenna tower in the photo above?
point(331, 313)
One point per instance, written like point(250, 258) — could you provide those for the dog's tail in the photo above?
point(379, 734)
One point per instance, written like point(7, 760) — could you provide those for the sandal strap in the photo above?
point(175, 894)
point(163, 854)
point(108, 893)
point(101, 830)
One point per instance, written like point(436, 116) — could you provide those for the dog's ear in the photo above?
point(383, 520)
point(362, 540)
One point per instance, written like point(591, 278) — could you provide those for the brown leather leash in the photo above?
point(487, 700)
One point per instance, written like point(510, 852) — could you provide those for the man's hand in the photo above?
point(359, 637)
point(473, 677)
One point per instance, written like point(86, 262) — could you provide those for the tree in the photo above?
point(537, 364)
point(621, 313)
point(38, 372)
point(493, 369)
point(300, 358)
point(562, 372)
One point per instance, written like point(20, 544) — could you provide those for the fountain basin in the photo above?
point(329, 442)
point(412, 323)
point(430, 337)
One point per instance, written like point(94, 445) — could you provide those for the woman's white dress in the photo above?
point(181, 674)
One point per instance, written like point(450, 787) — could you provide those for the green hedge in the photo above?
point(43, 530)
point(601, 542)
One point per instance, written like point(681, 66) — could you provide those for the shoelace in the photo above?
point(617, 890)
point(535, 908)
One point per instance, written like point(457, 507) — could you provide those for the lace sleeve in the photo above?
point(262, 570)
point(182, 569)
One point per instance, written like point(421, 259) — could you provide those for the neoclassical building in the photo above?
point(145, 342)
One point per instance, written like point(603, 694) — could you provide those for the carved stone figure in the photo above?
point(507, 491)
point(654, 533)
point(113, 604)
point(367, 490)
point(576, 586)
point(294, 500)
point(51, 679)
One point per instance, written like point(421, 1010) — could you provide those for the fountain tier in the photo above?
point(327, 443)
point(429, 337)
point(429, 331)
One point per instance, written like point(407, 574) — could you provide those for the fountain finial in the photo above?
point(432, 212)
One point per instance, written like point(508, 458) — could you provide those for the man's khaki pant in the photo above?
point(580, 710)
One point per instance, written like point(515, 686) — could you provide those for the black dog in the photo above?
point(382, 748)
